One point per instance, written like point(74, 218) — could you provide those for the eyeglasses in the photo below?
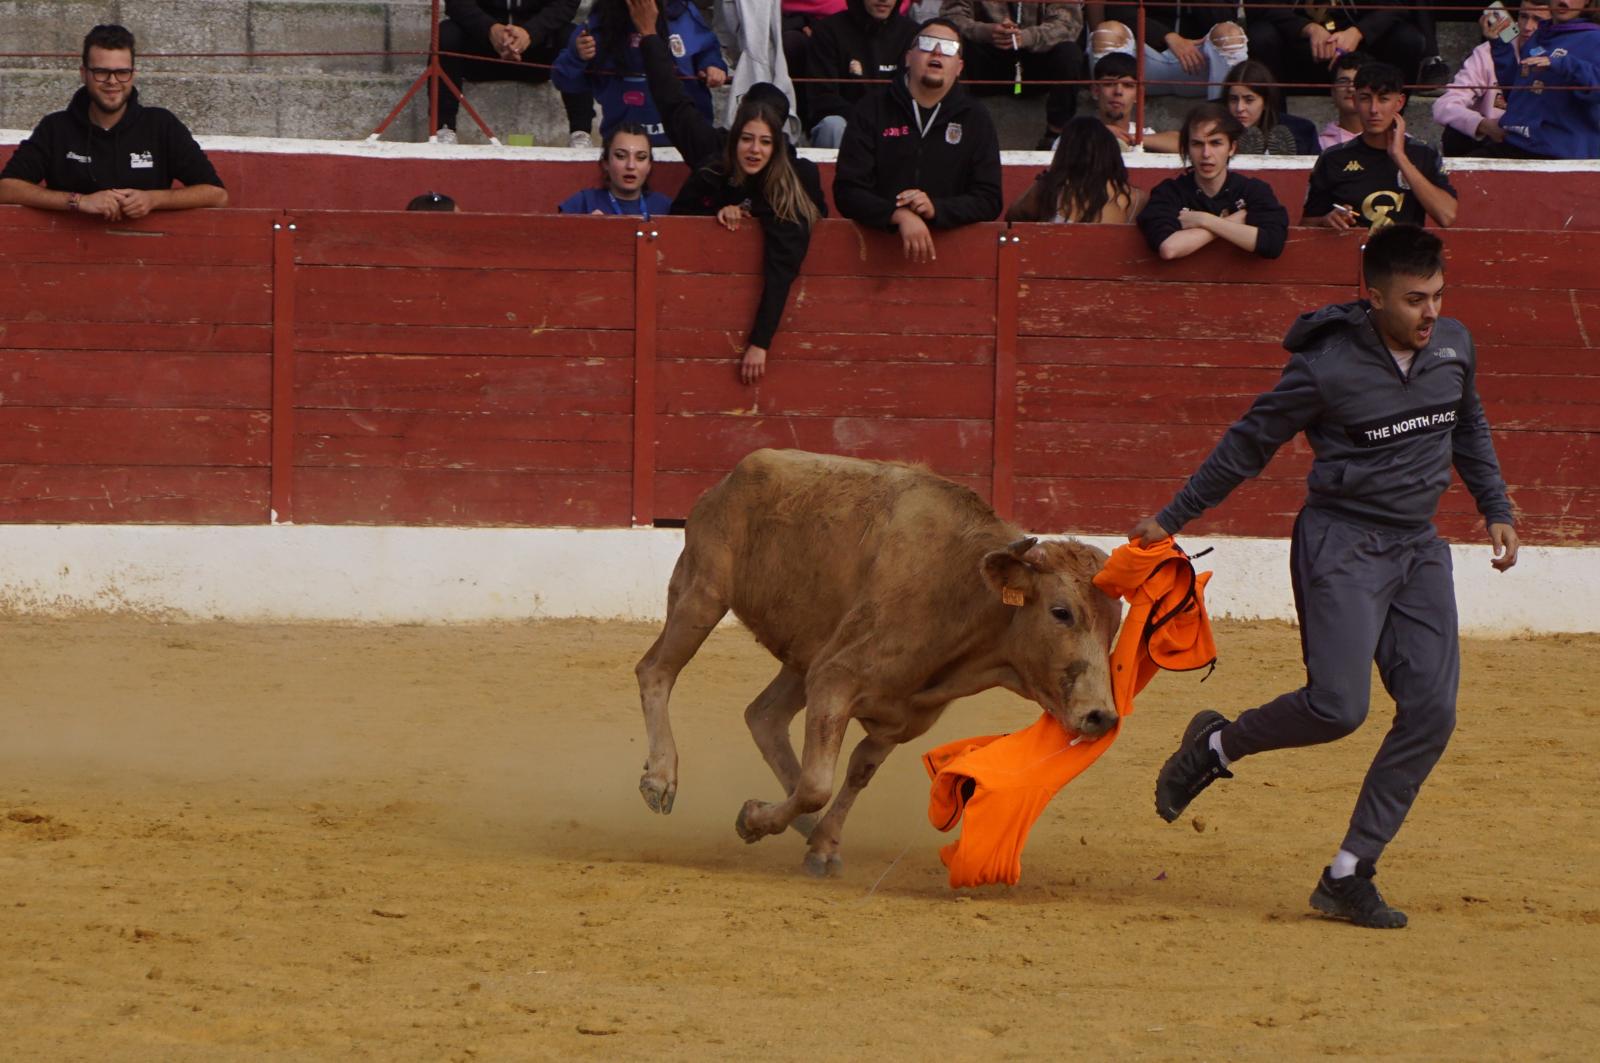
point(942, 45)
point(105, 74)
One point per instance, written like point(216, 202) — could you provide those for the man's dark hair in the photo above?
point(1381, 78)
point(432, 201)
point(1409, 250)
point(1115, 65)
point(937, 20)
point(111, 38)
point(1350, 61)
point(1206, 114)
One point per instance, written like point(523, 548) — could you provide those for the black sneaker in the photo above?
point(1192, 768)
point(1355, 898)
point(1433, 77)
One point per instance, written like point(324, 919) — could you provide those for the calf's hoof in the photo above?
point(805, 824)
point(822, 865)
point(658, 793)
point(748, 831)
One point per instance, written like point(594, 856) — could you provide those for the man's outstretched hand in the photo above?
point(1147, 532)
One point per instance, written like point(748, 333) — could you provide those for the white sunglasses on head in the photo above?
point(942, 45)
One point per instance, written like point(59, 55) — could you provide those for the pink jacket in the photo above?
point(1466, 102)
point(814, 8)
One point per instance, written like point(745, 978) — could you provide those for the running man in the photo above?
point(1384, 390)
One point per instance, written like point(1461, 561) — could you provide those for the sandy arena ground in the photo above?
point(305, 842)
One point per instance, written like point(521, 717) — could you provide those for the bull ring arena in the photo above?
point(331, 536)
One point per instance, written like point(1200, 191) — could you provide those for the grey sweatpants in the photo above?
point(1364, 594)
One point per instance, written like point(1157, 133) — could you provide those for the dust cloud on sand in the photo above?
point(222, 841)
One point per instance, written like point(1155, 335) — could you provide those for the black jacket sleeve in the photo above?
point(981, 201)
point(189, 163)
point(1246, 447)
point(1375, 21)
point(811, 179)
point(1319, 191)
point(701, 193)
point(470, 15)
point(550, 22)
point(825, 59)
point(696, 139)
point(1262, 209)
point(855, 175)
point(1159, 218)
point(30, 162)
point(784, 249)
point(1474, 456)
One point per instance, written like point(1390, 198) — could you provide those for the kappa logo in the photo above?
point(73, 156)
point(141, 160)
point(952, 133)
point(1353, 167)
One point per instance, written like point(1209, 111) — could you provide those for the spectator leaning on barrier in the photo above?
point(1383, 176)
point(528, 34)
point(1302, 42)
point(1207, 202)
point(1345, 126)
point(749, 172)
point(1022, 42)
point(1553, 104)
point(1252, 98)
point(1187, 47)
point(432, 202)
point(920, 153)
point(1114, 91)
point(107, 154)
point(603, 58)
point(625, 163)
point(1087, 181)
point(865, 42)
point(1471, 106)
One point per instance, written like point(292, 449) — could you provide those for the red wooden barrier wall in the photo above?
point(330, 367)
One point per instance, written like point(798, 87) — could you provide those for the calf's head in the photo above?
point(1059, 638)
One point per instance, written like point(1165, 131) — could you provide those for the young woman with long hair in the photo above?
point(1087, 180)
point(625, 163)
point(1251, 96)
point(754, 176)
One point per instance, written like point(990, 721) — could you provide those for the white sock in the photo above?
point(1344, 864)
point(1216, 747)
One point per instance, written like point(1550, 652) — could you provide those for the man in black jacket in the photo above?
point(1300, 42)
point(107, 154)
point(1385, 390)
point(528, 32)
point(865, 42)
point(920, 153)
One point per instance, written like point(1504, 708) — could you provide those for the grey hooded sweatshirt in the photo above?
point(1384, 442)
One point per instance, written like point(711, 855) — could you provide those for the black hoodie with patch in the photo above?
point(147, 149)
point(891, 144)
point(859, 50)
point(1384, 442)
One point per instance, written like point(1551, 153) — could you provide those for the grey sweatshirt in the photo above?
point(1384, 443)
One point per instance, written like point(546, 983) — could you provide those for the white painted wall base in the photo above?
point(435, 575)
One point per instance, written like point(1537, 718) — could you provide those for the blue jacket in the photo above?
point(592, 199)
point(1563, 123)
point(620, 86)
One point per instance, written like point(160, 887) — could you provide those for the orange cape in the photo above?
point(1001, 783)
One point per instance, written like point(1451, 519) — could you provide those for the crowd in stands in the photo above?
point(917, 150)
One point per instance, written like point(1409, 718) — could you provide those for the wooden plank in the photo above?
point(839, 248)
point(440, 497)
point(715, 443)
point(1118, 252)
point(1519, 259)
point(229, 224)
point(511, 341)
point(110, 291)
point(646, 259)
point(283, 372)
point(142, 494)
point(97, 378)
point(1126, 394)
point(423, 296)
point(545, 386)
point(1548, 318)
point(1145, 353)
point(546, 243)
point(1157, 310)
point(1497, 359)
point(135, 246)
point(676, 492)
point(1532, 403)
point(199, 337)
point(472, 441)
point(50, 435)
point(833, 304)
point(821, 389)
point(882, 347)
point(1002, 468)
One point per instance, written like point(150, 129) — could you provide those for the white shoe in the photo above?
point(579, 138)
point(445, 135)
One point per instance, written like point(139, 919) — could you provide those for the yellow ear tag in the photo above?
point(1011, 596)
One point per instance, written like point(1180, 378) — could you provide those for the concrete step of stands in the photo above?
point(345, 97)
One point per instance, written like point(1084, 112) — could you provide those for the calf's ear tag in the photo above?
point(1011, 596)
